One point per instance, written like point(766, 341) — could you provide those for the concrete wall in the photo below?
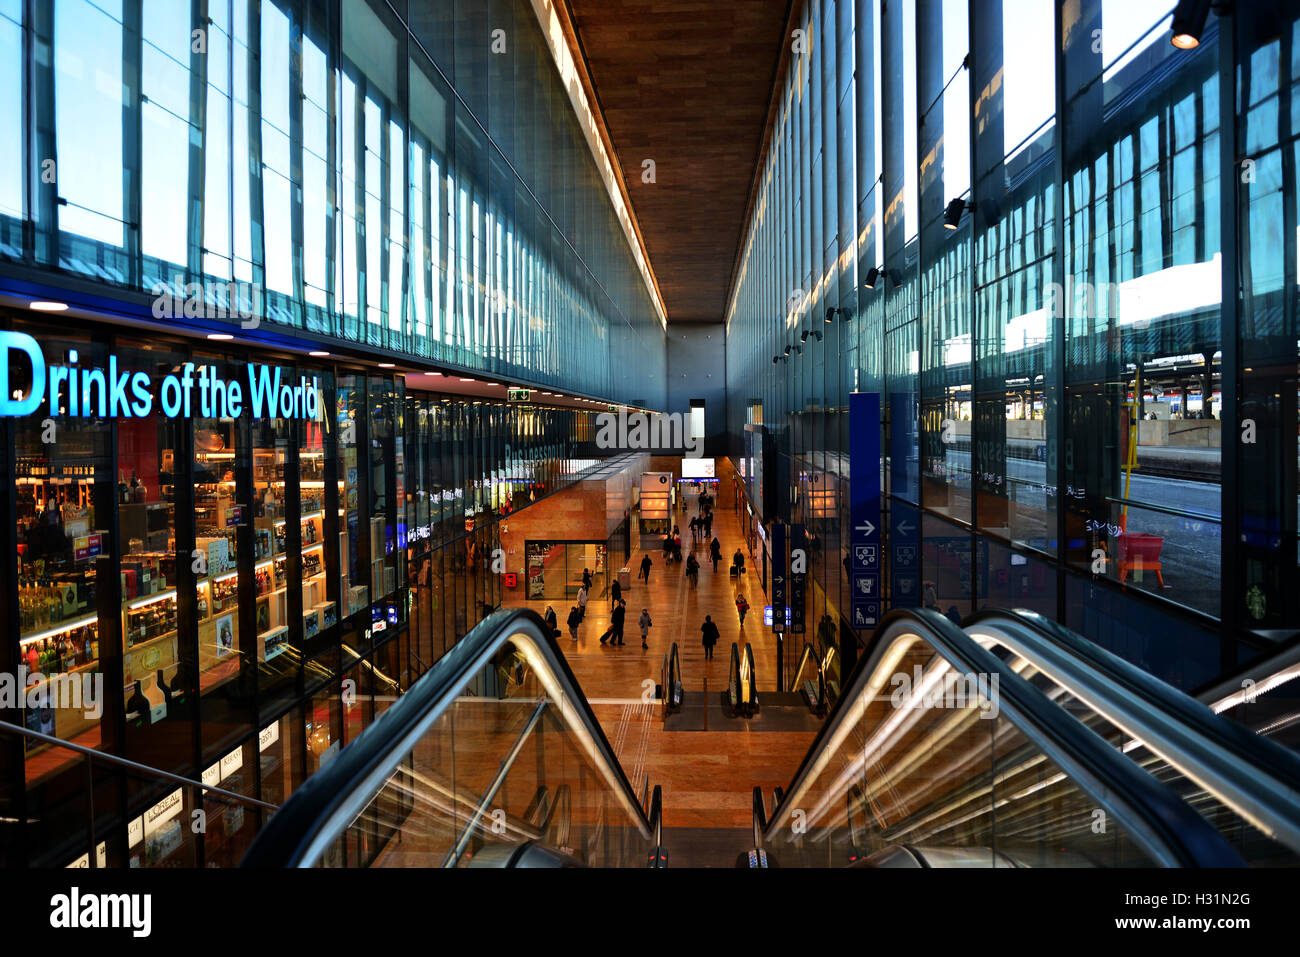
point(697, 369)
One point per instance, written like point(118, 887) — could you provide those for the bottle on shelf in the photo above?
point(138, 704)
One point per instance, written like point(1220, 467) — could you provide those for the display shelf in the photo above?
point(60, 629)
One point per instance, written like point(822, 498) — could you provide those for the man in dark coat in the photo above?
point(715, 553)
point(710, 636)
point(645, 569)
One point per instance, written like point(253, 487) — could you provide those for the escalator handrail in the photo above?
point(332, 798)
point(1157, 820)
point(804, 655)
point(760, 817)
point(1245, 770)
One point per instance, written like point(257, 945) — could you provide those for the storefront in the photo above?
point(204, 539)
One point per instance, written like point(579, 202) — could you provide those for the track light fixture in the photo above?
point(803, 336)
point(895, 277)
point(1188, 23)
point(787, 350)
point(798, 350)
point(952, 214)
point(818, 335)
point(872, 275)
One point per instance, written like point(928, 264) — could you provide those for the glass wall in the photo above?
point(1076, 417)
point(208, 546)
point(419, 186)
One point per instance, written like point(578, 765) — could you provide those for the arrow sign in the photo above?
point(866, 528)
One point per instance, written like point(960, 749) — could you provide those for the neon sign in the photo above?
point(92, 392)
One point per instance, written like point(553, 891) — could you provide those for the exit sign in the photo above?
point(519, 395)
point(613, 408)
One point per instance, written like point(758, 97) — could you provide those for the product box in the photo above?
point(358, 597)
point(218, 550)
point(329, 616)
point(271, 643)
point(310, 624)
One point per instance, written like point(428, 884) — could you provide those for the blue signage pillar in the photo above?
point(864, 508)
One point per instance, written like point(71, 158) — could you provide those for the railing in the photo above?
point(1247, 774)
point(1033, 752)
point(319, 814)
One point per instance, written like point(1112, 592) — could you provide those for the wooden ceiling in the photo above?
point(686, 83)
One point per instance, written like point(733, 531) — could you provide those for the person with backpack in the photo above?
point(742, 606)
point(644, 622)
point(715, 553)
point(645, 569)
point(582, 602)
point(575, 619)
point(710, 636)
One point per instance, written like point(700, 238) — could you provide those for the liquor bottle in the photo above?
point(121, 487)
point(138, 704)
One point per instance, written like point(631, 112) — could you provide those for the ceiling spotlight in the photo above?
point(798, 350)
point(803, 336)
point(1189, 21)
point(818, 335)
point(41, 305)
point(317, 353)
point(220, 336)
point(895, 277)
point(953, 213)
point(386, 365)
point(787, 350)
point(872, 275)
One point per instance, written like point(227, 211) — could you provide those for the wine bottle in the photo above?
point(138, 704)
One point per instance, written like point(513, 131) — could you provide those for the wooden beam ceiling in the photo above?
point(687, 84)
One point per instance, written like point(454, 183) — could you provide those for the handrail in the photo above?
point(1256, 777)
point(1170, 831)
point(760, 817)
point(454, 855)
point(753, 676)
point(142, 769)
point(332, 798)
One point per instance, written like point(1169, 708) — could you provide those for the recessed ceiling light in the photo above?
point(41, 305)
point(219, 336)
point(318, 354)
point(466, 380)
point(386, 365)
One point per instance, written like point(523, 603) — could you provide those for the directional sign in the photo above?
point(864, 507)
point(799, 542)
point(905, 555)
point(780, 571)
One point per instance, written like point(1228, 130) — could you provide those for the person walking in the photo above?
point(738, 560)
point(582, 602)
point(575, 619)
point(615, 630)
point(644, 622)
point(710, 636)
point(715, 553)
point(586, 578)
point(742, 606)
point(615, 593)
point(551, 623)
point(645, 569)
point(693, 571)
point(708, 524)
point(695, 528)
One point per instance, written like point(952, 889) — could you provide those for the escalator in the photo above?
point(492, 759)
point(1014, 743)
point(1010, 743)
